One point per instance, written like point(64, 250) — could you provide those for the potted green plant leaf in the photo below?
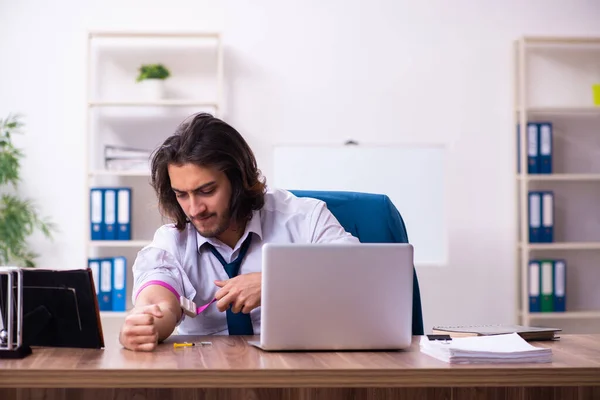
point(19, 218)
point(151, 77)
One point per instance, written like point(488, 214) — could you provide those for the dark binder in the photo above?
point(60, 308)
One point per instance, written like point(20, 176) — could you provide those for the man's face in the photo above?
point(204, 195)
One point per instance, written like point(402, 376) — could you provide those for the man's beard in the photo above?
point(219, 224)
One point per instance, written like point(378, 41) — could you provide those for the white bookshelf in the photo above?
point(553, 82)
point(119, 114)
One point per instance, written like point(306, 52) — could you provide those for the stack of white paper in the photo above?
point(120, 158)
point(509, 348)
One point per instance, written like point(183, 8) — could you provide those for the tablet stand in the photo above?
point(11, 339)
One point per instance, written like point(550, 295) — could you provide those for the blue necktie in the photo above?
point(240, 323)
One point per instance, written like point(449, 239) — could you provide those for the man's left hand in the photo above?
point(242, 292)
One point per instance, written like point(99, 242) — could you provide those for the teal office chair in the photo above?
point(372, 218)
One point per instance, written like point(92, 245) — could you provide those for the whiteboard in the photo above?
point(412, 177)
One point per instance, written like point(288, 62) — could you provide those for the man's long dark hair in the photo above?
point(206, 141)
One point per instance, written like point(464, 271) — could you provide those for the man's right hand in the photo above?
point(139, 332)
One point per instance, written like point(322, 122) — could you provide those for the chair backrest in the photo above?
point(372, 218)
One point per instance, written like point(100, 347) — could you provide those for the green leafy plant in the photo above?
point(153, 71)
point(19, 218)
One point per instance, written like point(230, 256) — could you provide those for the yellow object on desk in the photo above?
point(188, 344)
point(183, 344)
point(596, 94)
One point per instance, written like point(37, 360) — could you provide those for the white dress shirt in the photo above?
point(178, 261)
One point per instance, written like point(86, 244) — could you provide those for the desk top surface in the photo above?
point(231, 362)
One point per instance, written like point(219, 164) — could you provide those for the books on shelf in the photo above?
point(539, 147)
point(525, 332)
point(547, 285)
point(541, 216)
point(110, 213)
point(110, 282)
point(497, 349)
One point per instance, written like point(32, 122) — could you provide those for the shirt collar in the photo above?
point(253, 226)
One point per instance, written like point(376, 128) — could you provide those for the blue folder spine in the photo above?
point(119, 286)
point(560, 285)
point(96, 213)
point(106, 266)
point(534, 286)
point(535, 217)
point(124, 214)
point(533, 148)
point(110, 214)
point(547, 209)
point(546, 142)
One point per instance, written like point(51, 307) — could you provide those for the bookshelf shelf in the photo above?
point(566, 315)
point(157, 35)
point(560, 177)
point(569, 111)
point(157, 103)
point(562, 246)
point(101, 172)
point(561, 41)
point(118, 243)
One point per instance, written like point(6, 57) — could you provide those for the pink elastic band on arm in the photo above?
point(204, 307)
point(159, 283)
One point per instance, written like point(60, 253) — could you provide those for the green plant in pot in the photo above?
point(151, 77)
point(19, 218)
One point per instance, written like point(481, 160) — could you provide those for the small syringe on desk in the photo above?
point(191, 344)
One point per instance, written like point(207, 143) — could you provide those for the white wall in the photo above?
point(378, 71)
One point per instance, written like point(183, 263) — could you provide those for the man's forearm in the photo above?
point(166, 325)
point(164, 307)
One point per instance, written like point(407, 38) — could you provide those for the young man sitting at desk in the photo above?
point(207, 181)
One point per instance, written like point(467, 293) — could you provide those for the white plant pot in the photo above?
point(152, 89)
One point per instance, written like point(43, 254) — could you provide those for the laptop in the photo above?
point(336, 296)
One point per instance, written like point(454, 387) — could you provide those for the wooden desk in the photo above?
point(231, 369)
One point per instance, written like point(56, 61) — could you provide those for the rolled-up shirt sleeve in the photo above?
point(155, 266)
point(162, 263)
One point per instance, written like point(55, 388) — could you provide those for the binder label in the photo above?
point(546, 141)
point(532, 137)
point(119, 273)
point(559, 279)
point(534, 210)
point(548, 209)
point(96, 207)
point(547, 277)
point(105, 285)
point(534, 279)
point(123, 208)
point(109, 207)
